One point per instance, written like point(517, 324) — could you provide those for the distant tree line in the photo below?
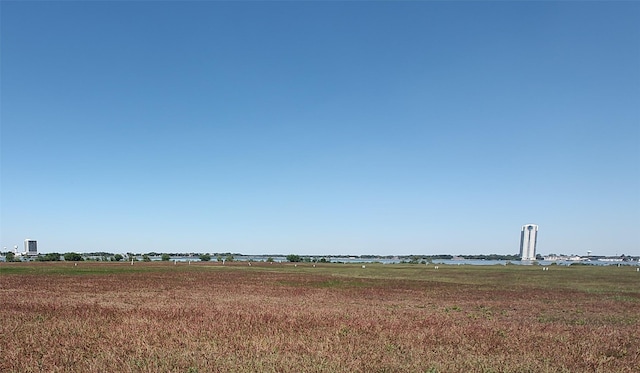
point(293, 258)
point(11, 257)
point(72, 257)
point(492, 257)
point(50, 257)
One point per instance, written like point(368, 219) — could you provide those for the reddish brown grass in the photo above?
point(206, 318)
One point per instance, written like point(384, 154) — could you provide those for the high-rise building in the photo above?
point(30, 247)
point(528, 240)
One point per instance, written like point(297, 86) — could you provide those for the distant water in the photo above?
point(283, 259)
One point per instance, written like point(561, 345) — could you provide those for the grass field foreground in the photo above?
point(206, 317)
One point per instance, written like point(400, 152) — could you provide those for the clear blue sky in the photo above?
point(321, 127)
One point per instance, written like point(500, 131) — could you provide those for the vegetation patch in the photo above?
point(202, 317)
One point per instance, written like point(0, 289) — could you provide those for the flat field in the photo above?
point(206, 317)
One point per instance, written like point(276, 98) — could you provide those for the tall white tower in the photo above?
point(528, 239)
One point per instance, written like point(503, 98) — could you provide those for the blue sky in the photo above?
point(320, 127)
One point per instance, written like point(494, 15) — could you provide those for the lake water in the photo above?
point(283, 259)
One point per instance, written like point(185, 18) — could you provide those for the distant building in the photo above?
point(528, 240)
point(30, 247)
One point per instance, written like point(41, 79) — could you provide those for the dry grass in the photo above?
point(157, 317)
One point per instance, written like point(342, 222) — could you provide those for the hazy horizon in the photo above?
point(61, 252)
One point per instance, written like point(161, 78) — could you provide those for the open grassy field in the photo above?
point(206, 317)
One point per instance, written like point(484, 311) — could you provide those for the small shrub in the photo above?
point(293, 258)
